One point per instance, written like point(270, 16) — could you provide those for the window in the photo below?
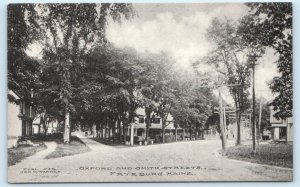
point(141, 120)
point(139, 132)
point(155, 120)
point(23, 128)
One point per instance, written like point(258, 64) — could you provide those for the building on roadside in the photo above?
point(281, 129)
point(50, 127)
point(155, 127)
point(211, 133)
point(19, 119)
point(139, 128)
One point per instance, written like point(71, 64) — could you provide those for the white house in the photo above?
point(138, 127)
point(19, 120)
point(155, 127)
point(281, 129)
point(51, 126)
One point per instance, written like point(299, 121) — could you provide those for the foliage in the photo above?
point(273, 25)
point(234, 56)
point(229, 59)
point(81, 74)
point(22, 70)
point(193, 105)
point(265, 114)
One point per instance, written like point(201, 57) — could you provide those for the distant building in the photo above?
point(50, 127)
point(211, 133)
point(19, 119)
point(281, 129)
point(155, 127)
point(139, 127)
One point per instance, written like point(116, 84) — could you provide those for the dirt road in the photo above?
point(180, 161)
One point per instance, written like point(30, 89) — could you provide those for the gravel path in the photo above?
point(180, 161)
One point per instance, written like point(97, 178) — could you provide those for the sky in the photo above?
point(179, 30)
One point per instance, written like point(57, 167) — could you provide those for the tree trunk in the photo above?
point(39, 128)
point(94, 130)
point(147, 132)
point(113, 129)
point(222, 128)
point(183, 133)
point(109, 132)
point(102, 132)
point(191, 131)
point(105, 132)
point(119, 130)
point(67, 128)
point(44, 126)
point(238, 122)
point(163, 134)
point(148, 121)
point(98, 130)
point(175, 133)
point(124, 134)
point(238, 138)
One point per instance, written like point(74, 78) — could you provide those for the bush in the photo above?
point(169, 138)
point(49, 137)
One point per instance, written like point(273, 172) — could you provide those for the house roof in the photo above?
point(13, 94)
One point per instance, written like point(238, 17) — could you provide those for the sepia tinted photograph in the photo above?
point(130, 92)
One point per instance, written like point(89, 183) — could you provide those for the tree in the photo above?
point(232, 57)
point(69, 32)
point(22, 69)
point(191, 104)
point(148, 80)
point(112, 75)
point(265, 114)
point(273, 25)
point(163, 91)
point(223, 34)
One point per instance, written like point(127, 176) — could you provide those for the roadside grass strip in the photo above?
point(76, 146)
point(270, 154)
point(17, 154)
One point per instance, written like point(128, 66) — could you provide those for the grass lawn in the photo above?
point(16, 154)
point(76, 146)
point(271, 154)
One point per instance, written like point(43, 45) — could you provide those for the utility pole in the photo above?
point(221, 120)
point(222, 128)
point(253, 107)
point(253, 58)
point(259, 121)
point(225, 124)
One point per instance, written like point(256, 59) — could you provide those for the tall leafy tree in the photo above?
point(22, 70)
point(191, 105)
point(113, 75)
point(272, 23)
point(233, 58)
point(164, 93)
point(69, 32)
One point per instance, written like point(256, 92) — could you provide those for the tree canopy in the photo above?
point(272, 23)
